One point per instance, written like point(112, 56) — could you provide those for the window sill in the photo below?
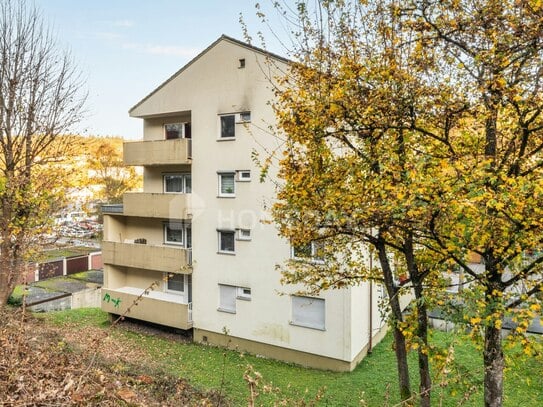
point(226, 139)
point(174, 292)
point(226, 196)
point(227, 253)
point(316, 328)
point(243, 298)
point(308, 260)
point(228, 311)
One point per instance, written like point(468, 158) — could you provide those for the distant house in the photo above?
point(197, 226)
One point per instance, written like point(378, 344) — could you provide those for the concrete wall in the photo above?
point(212, 85)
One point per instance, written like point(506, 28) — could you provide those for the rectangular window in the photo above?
point(244, 293)
point(245, 117)
point(308, 312)
point(177, 130)
point(227, 185)
point(227, 298)
point(308, 251)
point(243, 175)
point(228, 126)
point(244, 234)
point(226, 241)
point(178, 183)
point(174, 233)
point(175, 282)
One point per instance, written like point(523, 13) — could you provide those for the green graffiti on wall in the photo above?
point(115, 301)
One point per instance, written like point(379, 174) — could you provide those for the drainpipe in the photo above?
point(370, 342)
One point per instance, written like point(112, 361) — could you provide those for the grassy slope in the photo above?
point(373, 381)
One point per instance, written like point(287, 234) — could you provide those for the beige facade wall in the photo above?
point(153, 127)
point(153, 181)
point(201, 93)
point(118, 228)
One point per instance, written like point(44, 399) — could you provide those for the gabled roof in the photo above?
point(221, 38)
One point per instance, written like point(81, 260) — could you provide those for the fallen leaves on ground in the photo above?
point(40, 365)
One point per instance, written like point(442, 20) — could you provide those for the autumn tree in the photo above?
point(107, 171)
point(345, 108)
point(416, 126)
point(39, 100)
point(490, 202)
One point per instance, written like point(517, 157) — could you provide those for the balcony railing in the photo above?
point(157, 205)
point(112, 208)
point(158, 152)
point(154, 306)
point(168, 259)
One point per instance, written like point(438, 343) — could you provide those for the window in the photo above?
point(308, 251)
point(244, 234)
point(228, 126)
point(245, 117)
point(243, 175)
point(174, 233)
point(242, 63)
point(226, 241)
point(227, 298)
point(244, 293)
point(308, 312)
point(227, 184)
point(175, 282)
point(177, 130)
point(178, 183)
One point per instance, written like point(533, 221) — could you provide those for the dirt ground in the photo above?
point(67, 365)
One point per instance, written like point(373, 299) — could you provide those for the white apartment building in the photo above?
point(195, 234)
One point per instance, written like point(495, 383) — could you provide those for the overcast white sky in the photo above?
point(125, 48)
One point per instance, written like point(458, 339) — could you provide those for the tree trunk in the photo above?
point(396, 311)
point(422, 333)
point(416, 278)
point(400, 350)
point(6, 274)
point(494, 364)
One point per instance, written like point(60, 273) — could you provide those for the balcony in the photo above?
point(168, 259)
point(155, 205)
point(156, 307)
point(158, 152)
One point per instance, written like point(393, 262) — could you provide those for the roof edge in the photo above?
point(193, 60)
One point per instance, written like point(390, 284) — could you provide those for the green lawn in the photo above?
point(372, 383)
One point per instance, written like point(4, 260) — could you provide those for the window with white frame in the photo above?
point(309, 251)
point(177, 183)
point(226, 241)
point(244, 234)
point(177, 130)
point(244, 117)
point(308, 312)
point(243, 175)
point(227, 184)
point(175, 283)
point(228, 127)
point(177, 233)
point(244, 293)
point(227, 298)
